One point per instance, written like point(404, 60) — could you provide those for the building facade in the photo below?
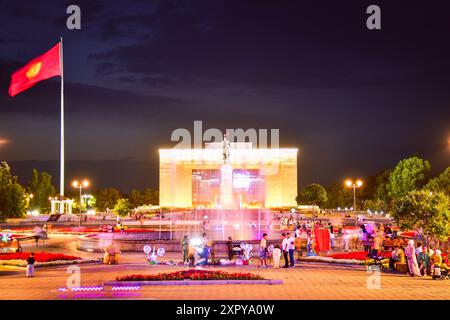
point(246, 178)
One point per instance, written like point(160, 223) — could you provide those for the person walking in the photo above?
point(185, 249)
point(285, 249)
point(30, 265)
point(291, 248)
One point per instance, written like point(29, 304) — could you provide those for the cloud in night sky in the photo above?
point(353, 101)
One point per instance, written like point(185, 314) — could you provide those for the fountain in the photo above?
point(223, 190)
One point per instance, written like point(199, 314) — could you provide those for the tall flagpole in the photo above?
point(61, 172)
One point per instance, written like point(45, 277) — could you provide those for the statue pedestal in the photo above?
point(226, 200)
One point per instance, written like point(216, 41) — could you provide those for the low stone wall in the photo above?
point(93, 243)
point(125, 243)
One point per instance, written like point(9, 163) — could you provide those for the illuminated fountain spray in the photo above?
point(226, 200)
point(226, 182)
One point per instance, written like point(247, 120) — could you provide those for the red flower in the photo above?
point(191, 275)
point(38, 256)
point(358, 255)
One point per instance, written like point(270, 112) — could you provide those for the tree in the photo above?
point(440, 183)
point(107, 198)
point(409, 175)
point(122, 207)
point(91, 202)
point(313, 194)
point(135, 198)
point(338, 196)
point(150, 196)
point(382, 186)
point(421, 209)
point(376, 205)
point(42, 188)
point(12, 194)
point(147, 197)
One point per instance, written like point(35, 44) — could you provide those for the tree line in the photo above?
point(16, 200)
point(379, 192)
point(415, 199)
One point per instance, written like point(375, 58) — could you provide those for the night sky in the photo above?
point(353, 101)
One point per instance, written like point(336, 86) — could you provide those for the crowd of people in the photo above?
point(418, 261)
point(191, 248)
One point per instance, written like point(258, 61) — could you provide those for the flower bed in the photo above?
point(358, 255)
point(78, 230)
point(43, 259)
point(38, 256)
point(331, 260)
point(191, 274)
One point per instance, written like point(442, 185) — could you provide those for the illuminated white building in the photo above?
point(251, 178)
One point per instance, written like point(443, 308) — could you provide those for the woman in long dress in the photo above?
point(410, 253)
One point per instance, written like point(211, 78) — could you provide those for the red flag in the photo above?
point(38, 69)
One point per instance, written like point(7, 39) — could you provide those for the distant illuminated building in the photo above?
point(249, 178)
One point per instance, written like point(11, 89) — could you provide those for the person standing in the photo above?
point(263, 251)
point(308, 241)
point(423, 259)
point(418, 249)
point(191, 254)
point(205, 252)
point(276, 256)
point(230, 248)
point(298, 232)
point(331, 231)
point(298, 244)
point(410, 253)
point(285, 249)
point(291, 248)
point(394, 258)
point(185, 249)
point(30, 265)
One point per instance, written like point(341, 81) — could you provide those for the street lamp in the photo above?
point(353, 184)
point(80, 185)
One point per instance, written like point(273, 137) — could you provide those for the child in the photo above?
point(276, 254)
point(30, 265)
point(263, 251)
point(191, 255)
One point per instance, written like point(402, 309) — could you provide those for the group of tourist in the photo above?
point(286, 250)
point(189, 250)
point(417, 261)
point(288, 223)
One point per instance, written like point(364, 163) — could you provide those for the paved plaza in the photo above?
point(305, 281)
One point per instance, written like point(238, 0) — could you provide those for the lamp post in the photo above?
point(354, 184)
point(80, 185)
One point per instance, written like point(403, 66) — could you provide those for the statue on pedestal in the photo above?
point(226, 149)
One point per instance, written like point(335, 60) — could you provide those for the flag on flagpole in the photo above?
point(41, 68)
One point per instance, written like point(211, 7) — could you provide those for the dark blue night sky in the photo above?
point(353, 101)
